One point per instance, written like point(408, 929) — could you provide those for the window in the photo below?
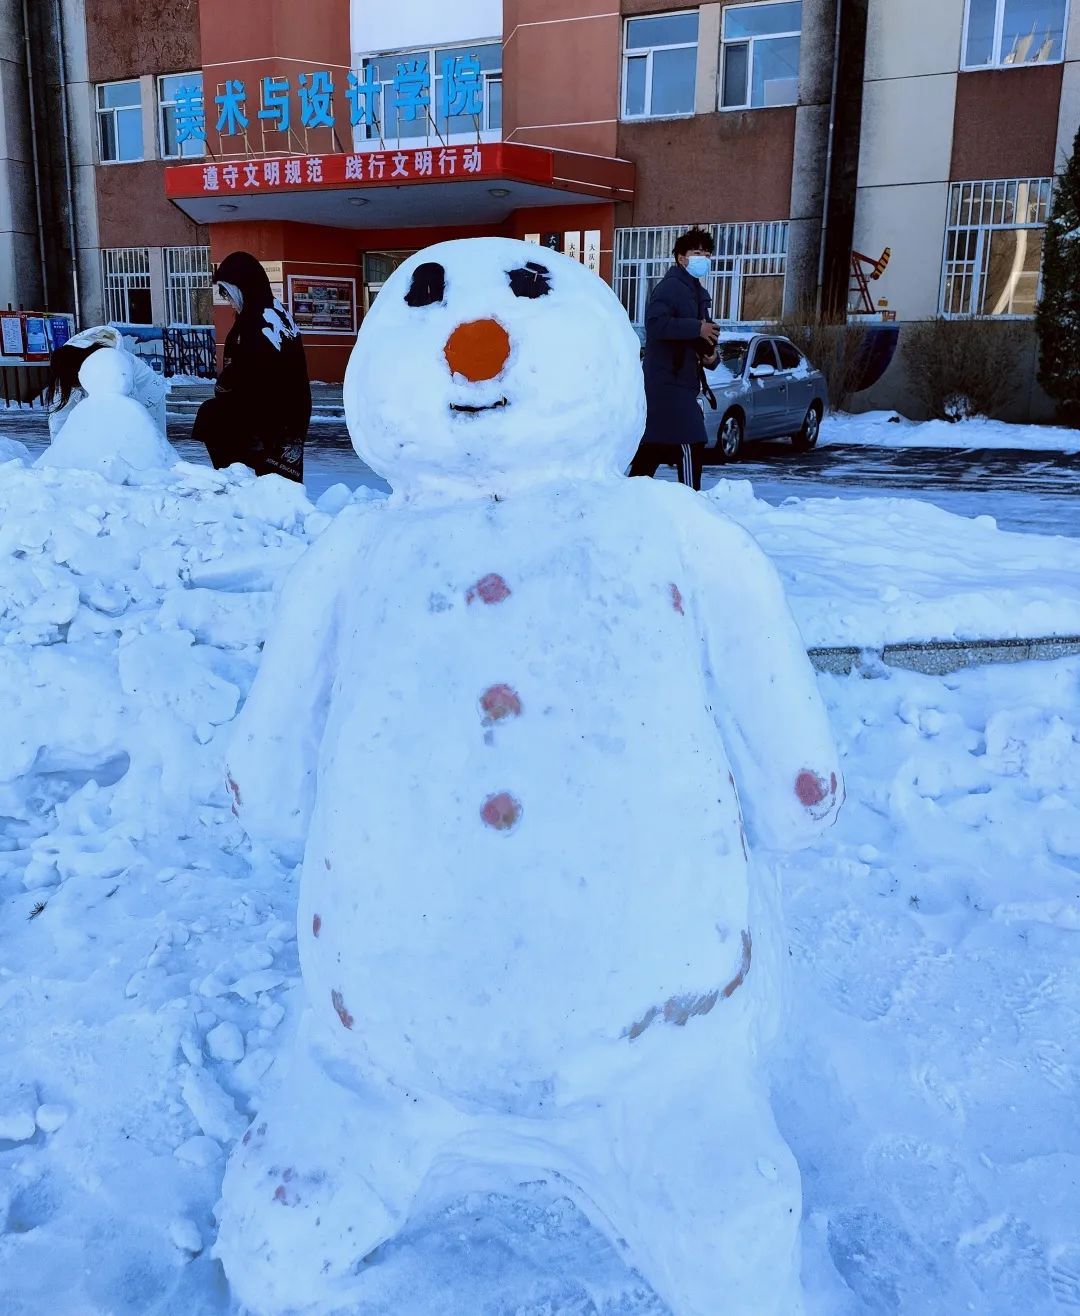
point(659, 65)
point(125, 275)
point(442, 94)
point(119, 116)
point(748, 267)
point(788, 354)
point(993, 247)
point(1004, 32)
point(189, 297)
point(760, 55)
point(179, 94)
point(763, 355)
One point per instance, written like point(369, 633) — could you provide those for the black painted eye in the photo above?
point(428, 285)
point(531, 280)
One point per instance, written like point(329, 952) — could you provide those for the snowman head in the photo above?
point(486, 365)
point(107, 372)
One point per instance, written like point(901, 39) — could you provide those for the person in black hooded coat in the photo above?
point(261, 407)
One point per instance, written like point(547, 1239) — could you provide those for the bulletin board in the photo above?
point(322, 305)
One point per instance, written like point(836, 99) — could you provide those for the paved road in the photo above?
point(1030, 491)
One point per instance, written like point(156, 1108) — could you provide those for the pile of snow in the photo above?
point(887, 429)
point(877, 571)
point(148, 970)
point(931, 1086)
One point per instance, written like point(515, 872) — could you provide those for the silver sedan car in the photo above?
point(765, 389)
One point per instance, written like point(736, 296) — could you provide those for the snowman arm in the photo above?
point(764, 692)
point(150, 389)
point(272, 761)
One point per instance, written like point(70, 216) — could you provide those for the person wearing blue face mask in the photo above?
point(680, 339)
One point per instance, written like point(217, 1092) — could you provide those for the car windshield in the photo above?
point(732, 355)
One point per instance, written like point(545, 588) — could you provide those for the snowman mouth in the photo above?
point(472, 411)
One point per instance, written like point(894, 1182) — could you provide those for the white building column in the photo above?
point(82, 120)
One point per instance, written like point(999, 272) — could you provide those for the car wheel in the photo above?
point(729, 437)
point(807, 437)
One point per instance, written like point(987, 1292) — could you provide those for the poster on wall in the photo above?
point(321, 305)
point(592, 250)
point(37, 338)
point(61, 328)
point(11, 343)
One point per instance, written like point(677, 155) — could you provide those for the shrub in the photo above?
point(962, 368)
point(1057, 319)
point(837, 348)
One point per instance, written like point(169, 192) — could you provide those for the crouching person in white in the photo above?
point(514, 722)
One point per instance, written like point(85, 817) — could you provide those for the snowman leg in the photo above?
point(326, 1172)
point(701, 1186)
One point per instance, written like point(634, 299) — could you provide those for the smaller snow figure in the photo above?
point(513, 723)
point(108, 431)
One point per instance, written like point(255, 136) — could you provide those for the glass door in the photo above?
point(378, 266)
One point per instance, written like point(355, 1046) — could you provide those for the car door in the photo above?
point(767, 391)
point(796, 374)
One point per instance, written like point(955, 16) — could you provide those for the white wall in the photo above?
point(1069, 109)
point(906, 38)
point(410, 23)
point(910, 220)
point(907, 130)
point(83, 124)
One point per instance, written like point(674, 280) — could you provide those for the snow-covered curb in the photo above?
point(936, 657)
point(887, 429)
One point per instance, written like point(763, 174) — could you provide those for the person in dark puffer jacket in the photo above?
point(680, 338)
point(261, 407)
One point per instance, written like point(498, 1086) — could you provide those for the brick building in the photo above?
point(331, 139)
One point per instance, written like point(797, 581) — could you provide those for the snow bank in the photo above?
point(886, 429)
point(147, 959)
point(876, 571)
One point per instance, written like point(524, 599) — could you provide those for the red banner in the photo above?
point(366, 168)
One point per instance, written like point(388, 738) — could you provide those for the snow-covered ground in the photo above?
point(876, 571)
point(887, 429)
point(148, 979)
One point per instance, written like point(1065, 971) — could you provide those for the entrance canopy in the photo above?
point(478, 184)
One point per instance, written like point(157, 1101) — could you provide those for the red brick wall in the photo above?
point(1005, 125)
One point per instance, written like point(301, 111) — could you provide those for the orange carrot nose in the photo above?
point(478, 350)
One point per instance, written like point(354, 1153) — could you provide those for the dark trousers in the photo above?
point(687, 458)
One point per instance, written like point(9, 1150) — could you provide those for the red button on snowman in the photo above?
point(514, 720)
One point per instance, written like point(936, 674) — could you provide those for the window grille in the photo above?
point(993, 247)
point(188, 286)
point(125, 273)
point(746, 283)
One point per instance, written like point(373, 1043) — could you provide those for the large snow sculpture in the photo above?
point(513, 722)
point(108, 431)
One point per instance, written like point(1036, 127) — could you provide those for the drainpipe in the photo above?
point(828, 158)
point(34, 155)
point(62, 66)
